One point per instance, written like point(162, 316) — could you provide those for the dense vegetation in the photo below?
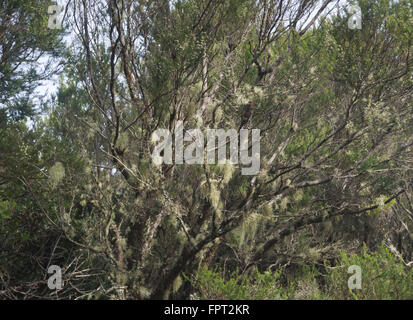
point(79, 189)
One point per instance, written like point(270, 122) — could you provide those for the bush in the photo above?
point(210, 284)
point(383, 277)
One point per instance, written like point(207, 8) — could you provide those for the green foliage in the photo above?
point(254, 285)
point(78, 187)
point(25, 39)
point(384, 276)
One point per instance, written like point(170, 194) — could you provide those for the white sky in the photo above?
point(50, 87)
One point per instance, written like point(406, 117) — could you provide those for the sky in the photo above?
point(49, 87)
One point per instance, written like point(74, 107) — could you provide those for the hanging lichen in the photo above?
point(56, 174)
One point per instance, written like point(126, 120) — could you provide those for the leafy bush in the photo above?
point(383, 277)
point(211, 284)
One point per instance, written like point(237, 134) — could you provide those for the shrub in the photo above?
point(210, 284)
point(384, 276)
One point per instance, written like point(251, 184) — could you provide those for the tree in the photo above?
point(334, 107)
point(316, 96)
point(25, 41)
